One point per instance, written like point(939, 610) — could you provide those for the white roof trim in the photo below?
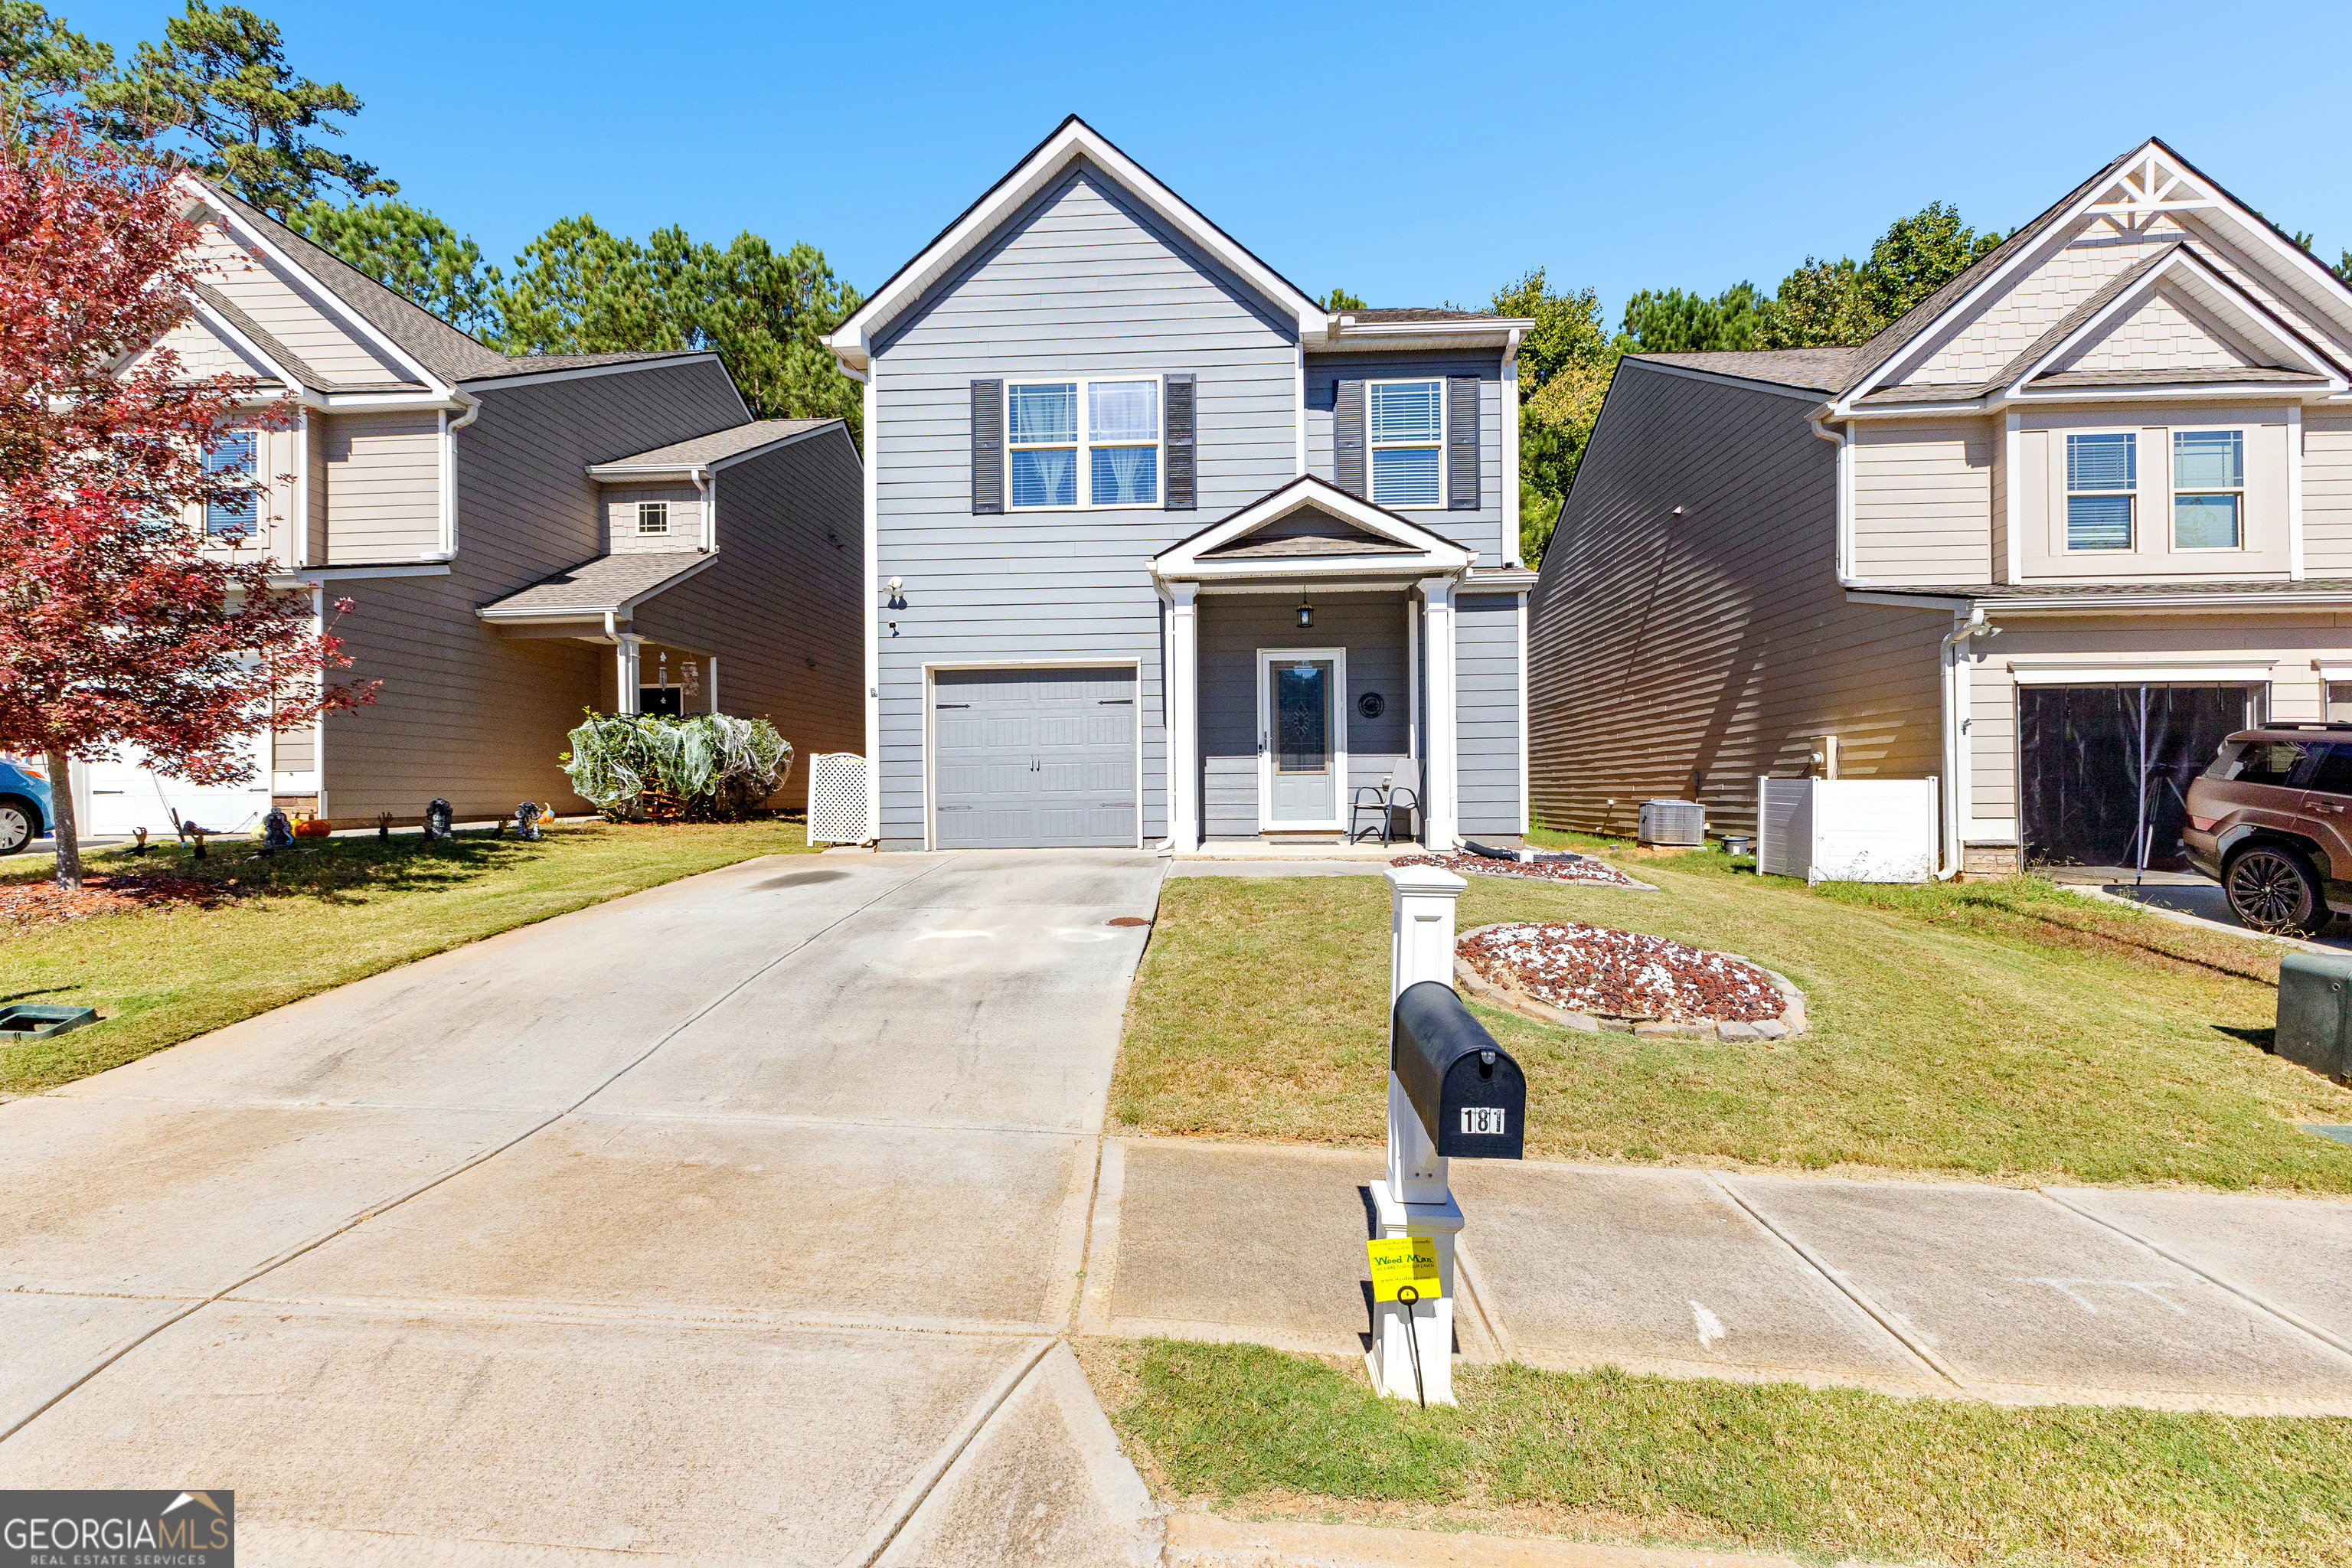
point(1438, 555)
point(324, 299)
point(221, 327)
point(852, 341)
point(658, 470)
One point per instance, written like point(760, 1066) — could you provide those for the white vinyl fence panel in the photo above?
point(1847, 830)
point(838, 799)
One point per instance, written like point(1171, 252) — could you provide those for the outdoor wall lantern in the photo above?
point(1306, 614)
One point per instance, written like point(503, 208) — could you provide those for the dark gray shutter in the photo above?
point(1182, 491)
point(987, 446)
point(1348, 440)
point(1462, 443)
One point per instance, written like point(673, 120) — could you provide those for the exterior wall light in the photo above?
point(1306, 615)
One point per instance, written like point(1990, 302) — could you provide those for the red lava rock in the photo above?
point(1622, 974)
point(1597, 873)
point(44, 903)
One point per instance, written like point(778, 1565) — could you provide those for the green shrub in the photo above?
point(707, 767)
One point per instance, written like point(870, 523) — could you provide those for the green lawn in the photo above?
point(318, 915)
point(2008, 1030)
point(1821, 1473)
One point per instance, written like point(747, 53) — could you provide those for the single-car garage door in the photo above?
point(1033, 758)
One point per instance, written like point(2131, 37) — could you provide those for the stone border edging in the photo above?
point(1790, 1025)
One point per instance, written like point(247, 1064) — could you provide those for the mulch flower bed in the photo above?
point(1567, 869)
point(44, 903)
point(1621, 974)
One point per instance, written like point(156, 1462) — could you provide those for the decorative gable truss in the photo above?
point(1310, 528)
point(2148, 278)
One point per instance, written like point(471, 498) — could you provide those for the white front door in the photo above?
point(1302, 729)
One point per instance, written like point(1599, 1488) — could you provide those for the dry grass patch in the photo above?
point(2008, 1031)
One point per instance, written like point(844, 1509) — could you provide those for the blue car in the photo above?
point(24, 807)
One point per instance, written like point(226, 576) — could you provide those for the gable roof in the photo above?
point(1821, 370)
point(718, 447)
point(1350, 535)
point(1072, 142)
point(611, 585)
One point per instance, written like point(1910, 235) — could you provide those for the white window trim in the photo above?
point(644, 533)
point(2173, 493)
point(2067, 493)
point(256, 525)
point(1444, 427)
point(1086, 445)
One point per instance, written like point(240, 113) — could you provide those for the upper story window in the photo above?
point(2209, 489)
point(2102, 478)
point(653, 517)
point(233, 454)
point(1405, 425)
point(1098, 439)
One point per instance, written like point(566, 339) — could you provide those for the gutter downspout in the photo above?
point(1843, 438)
point(871, 487)
point(449, 429)
point(703, 486)
point(1955, 658)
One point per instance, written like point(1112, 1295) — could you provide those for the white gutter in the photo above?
point(449, 429)
point(706, 486)
point(1510, 414)
point(1957, 805)
point(1843, 438)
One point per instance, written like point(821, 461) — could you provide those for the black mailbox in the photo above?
point(1469, 1093)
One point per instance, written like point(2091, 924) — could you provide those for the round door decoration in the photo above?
point(1372, 705)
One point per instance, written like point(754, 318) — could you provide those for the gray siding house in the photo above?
point(1160, 552)
point(522, 538)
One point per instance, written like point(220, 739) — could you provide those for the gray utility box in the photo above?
point(2315, 1011)
point(1673, 821)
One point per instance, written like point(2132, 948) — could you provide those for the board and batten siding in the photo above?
point(1715, 643)
point(1480, 529)
point(1487, 712)
point(1082, 281)
point(463, 712)
point(1232, 628)
point(780, 605)
point(1923, 502)
point(383, 486)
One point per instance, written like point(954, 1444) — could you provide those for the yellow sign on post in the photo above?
point(1403, 1262)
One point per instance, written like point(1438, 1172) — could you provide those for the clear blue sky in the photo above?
point(1414, 154)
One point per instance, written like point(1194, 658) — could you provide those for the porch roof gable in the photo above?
point(1367, 538)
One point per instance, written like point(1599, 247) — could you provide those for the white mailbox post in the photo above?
point(1414, 1198)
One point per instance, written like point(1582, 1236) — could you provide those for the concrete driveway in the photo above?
point(732, 1222)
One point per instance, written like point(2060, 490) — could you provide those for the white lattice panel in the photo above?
point(837, 808)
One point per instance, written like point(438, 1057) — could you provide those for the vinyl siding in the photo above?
point(1717, 642)
point(295, 314)
point(1231, 629)
point(1079, 281)
point(2012, 321)
point(314, 436)
point(383, 486)
point(464, 713)
point(1923, 502)
point(2327, 492)
point(621, 535)
point(1482, 530)
point(1487, 715)
point(780, 606)
point(2161, 332)
point(2042, 496)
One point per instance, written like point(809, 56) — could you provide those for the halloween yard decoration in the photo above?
point(140, 846)
point(384, 825)
point(277, 832)
point(437, 819)
point(709, 767)
point(526, 821)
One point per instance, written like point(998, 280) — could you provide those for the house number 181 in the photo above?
point(1484, 1120)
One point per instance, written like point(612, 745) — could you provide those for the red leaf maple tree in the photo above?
point(119, 623)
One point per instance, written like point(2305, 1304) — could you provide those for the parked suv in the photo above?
point(24, 806)
point(2272, 821)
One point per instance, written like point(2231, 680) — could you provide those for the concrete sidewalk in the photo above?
point(2164, 1298)
point(735, 1221)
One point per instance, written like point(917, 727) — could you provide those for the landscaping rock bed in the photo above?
point(1578, 868)
point(1590, 977)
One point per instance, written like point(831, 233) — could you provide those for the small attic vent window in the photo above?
point(653, 517)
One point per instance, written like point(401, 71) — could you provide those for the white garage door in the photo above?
point(1030, 758)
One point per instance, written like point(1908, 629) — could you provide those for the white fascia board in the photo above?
point(317, 575)
point(387, 402)
point(1745, 383)
point(1298, 568)
point(1896, 599)
point(1440, 553)
point(2157, 599)
point(687, 470)
point(498, 381)
point(322, 298)
point(1486, 331)
point(851, 342)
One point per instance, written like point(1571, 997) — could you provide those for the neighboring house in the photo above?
point(2047, 538)
point(523, 538)
point(1159, 550)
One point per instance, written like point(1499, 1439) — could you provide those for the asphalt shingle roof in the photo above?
point(1813, 370)
point(606, 583)
point(718, 444)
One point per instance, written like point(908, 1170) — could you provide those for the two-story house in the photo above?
point(522, 538)
point(2048, 538)
point(1161, 551)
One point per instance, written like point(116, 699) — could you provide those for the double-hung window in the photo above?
point(2209, 489)
point(1085, 441)
point(1405, 421)
point(653, 517)
point(232, 457)
point(2101, 477)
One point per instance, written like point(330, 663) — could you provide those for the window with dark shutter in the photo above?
point(1462, 443)
point(1183, 489)
point(987, 446)
point(1347, 437)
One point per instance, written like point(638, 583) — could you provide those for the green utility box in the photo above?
point(2315, 1011)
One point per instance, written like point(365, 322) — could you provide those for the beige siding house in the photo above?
point(2046, 539)
point(522, 538)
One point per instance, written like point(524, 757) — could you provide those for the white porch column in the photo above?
point(625, 673)
point(1183, 676)
point(1438, 747)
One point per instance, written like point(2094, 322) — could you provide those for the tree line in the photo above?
point(217, 93)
